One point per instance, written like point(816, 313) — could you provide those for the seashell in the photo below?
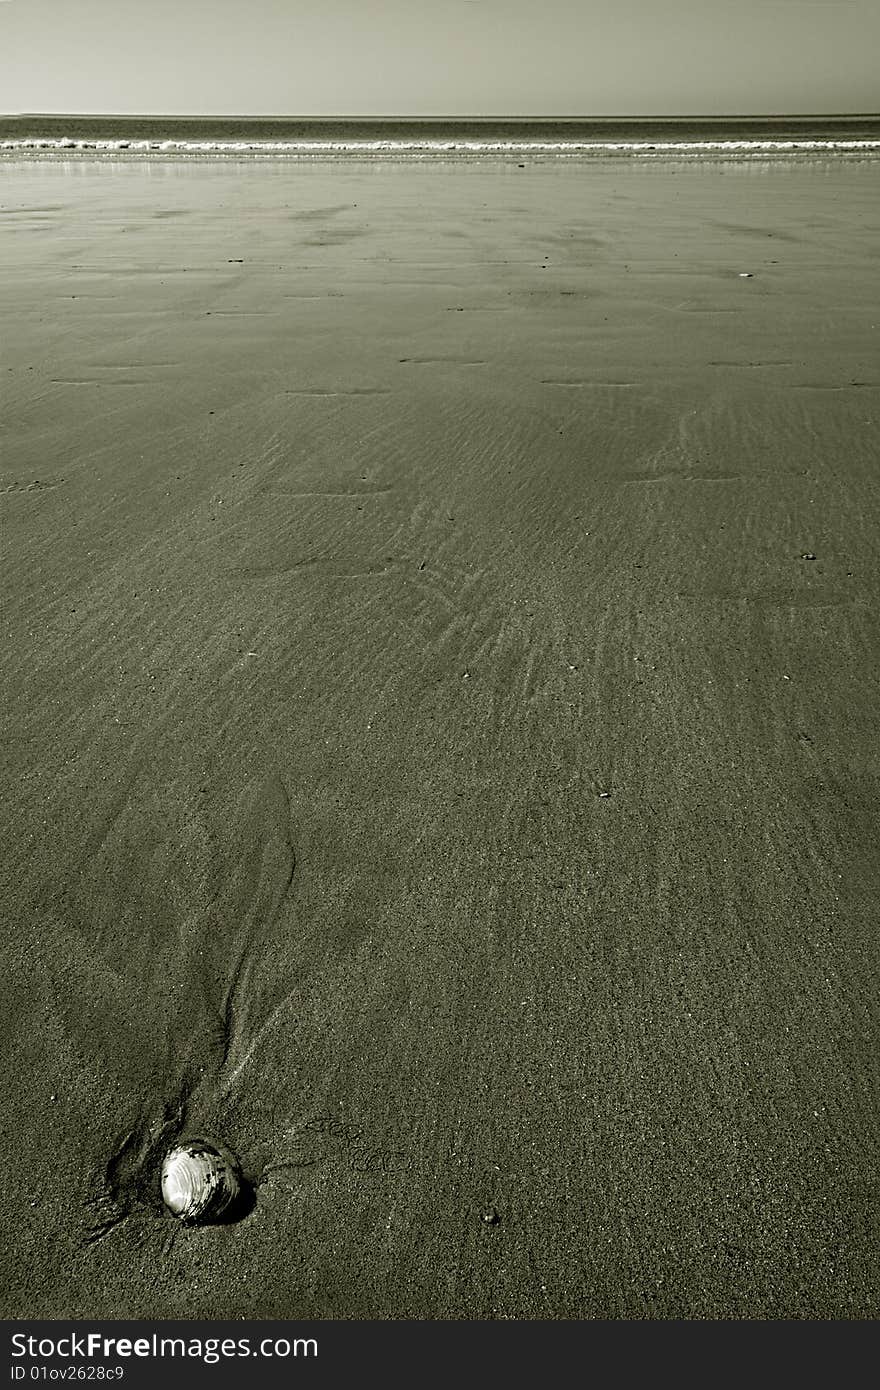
point(201, 1180)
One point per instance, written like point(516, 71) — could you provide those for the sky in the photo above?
point(440, 57)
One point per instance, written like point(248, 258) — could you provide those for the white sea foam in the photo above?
point(427, 148)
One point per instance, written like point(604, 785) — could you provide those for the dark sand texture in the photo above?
point(362, 528)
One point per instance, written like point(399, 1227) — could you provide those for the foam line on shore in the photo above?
point(560, 148)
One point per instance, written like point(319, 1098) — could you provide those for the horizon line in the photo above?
point(360, 116)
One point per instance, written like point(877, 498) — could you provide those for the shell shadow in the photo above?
point(243, 1205)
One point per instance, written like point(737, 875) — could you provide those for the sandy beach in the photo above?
point(440, 736)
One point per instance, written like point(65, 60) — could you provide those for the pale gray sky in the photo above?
point(440, 57)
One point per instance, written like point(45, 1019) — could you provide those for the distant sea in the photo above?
point(436, 137)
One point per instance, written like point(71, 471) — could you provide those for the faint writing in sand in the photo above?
point(325, 1137)
point(35, 485)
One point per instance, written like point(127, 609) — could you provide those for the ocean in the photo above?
point(304, 137)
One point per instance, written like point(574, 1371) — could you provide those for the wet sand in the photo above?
point(440, 737)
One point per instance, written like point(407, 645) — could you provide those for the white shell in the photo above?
point(200, 1180)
